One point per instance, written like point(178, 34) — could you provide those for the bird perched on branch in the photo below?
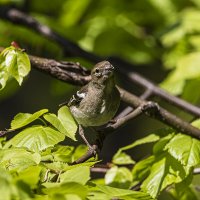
point(96, 103)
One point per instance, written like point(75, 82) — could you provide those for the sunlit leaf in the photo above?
point(64, 122)
point(165, 171)
point(80, 174)
point(18, 159)
point(185, 149)
point(37, 138)
point(13, 63)
point(23, 119)
point(119, 177)
point(142, 169)
point(67, 188)
point(122, 193)
point(187, 68)
point(121, 158)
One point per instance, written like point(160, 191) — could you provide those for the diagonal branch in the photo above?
point(72, 49)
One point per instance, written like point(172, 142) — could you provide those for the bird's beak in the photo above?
point(108, 69)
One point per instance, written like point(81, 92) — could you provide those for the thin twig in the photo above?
point(72, 49)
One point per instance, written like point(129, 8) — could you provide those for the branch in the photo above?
point(72, 49)
point(73, 73)
point(69, 72)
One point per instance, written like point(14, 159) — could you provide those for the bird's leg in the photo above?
point(81, 133)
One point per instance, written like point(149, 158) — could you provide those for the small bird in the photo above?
point(96, 103)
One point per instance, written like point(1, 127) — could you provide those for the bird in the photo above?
point(96, 103)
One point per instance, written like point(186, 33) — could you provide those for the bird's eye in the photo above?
point(97, 71)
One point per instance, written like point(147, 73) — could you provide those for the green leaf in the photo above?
point(165, 171)
point(187, 68)
point(13, 63)
point(67, 188)
point(18, 159)
point(36, 138)
point(56, 166)
point(188, 92)
point(142, 169)
point(63, 153)
point(7, 189)
point(79, 151)
point(160, 145)
point(183, 191)
point(23, 119)
point(121, 158)
point(185, 149)
point(80, 174)
point(148, 139)
point(30, 176)
point(121, 193)
point(118, 177)
point(64, 122)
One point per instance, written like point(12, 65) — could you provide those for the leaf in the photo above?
point(13, 63)
point(187, 68)
point(148, 139)
point(36, 138)
point(121, 193)
point(7, 189)
point(79, 151)
point(165, 171)
point(64, 122)
point(63, 153)
point(142, 169)
point(30, 176)
point(185, 149)
point(23, 119)
point(119, 177)
point(80, 174)
point(67, 188)
point(160, 145)
point(18, 159)
point(183, 191)
point(121, 158)
point(56, 166)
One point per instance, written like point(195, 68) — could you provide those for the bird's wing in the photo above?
point(77, 98)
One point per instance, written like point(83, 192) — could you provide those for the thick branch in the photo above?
point(16, 16)
point(69, 72)
point(160, 114)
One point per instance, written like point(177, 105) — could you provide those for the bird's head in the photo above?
point(102, 72)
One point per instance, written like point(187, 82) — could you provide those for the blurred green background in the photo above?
point(161, 37)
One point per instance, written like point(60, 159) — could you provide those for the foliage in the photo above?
point(36, 164)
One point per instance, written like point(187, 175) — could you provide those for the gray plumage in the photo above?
point(97, 102)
